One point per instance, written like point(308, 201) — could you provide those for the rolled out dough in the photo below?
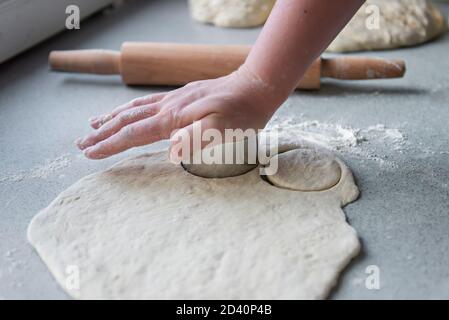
point(231, 13)
point(401, 23)
point(148, 229)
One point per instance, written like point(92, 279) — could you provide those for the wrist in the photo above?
point(259, 90)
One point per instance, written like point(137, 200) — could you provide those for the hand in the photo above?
point(237, 101)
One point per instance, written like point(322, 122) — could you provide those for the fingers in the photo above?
point(190, 112)
point(136, 134)
point(131, 128)
point(121, 120)
point(98, 121)
point(135, 124)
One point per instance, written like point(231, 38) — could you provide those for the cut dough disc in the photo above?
point(388, 24)
point(305, 170)
point(244, 159)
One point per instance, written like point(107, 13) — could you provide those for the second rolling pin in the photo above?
point(149, 63)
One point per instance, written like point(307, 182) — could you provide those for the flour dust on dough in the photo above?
point(231, 13)
point(401, 23)
point(147, 229)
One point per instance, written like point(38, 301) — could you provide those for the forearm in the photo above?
point(295, 34)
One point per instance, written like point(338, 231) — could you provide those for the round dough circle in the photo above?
point(305, 170)
point(243, 163)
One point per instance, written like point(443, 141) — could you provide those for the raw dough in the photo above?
point(147, 229)
point(401, 23)
point(231, 13)
point(306, 170)
point(242, 163)
point(218, 170)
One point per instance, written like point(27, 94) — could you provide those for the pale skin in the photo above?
point(295, 34)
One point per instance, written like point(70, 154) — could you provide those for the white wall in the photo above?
point(24, 23)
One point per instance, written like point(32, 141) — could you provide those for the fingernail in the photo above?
point(78, 141)
point(83, 144)
point(87, 152)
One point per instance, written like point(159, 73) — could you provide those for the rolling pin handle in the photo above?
point(86, 61)
point(362, 68)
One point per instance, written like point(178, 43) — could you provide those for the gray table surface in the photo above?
point(402, 216)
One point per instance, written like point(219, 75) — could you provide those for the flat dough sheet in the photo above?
point(147, 229)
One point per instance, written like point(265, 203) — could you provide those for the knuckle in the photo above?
point(127, 132)
point(134, 115)
point(140, 113)
point(169, 95)
point(123, 117)
point(136, 101)
point(97, 135)
point(154, 109)
point(175, 117)
point(146, 112)
point(89, 139)
point(102, 145)
point(150, 98)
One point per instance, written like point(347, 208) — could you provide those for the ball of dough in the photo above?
point(231, 13)
point(388, 24)
point(305, 170)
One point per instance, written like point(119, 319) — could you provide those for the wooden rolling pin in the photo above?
point(141, 63)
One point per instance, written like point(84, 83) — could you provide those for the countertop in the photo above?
point(402, 216)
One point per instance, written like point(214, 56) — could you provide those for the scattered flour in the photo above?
point(358, 282)
point(10, 267)
point(40, 171)
point(395, 136)
point(367, 143)
point(9, 253)
point(12, 262)
point(331, 136)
